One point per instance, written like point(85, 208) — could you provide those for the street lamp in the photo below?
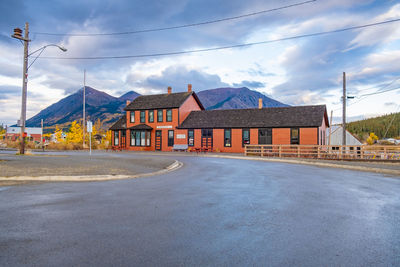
point(18, 35)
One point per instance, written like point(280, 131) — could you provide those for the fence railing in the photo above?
point(363, 152)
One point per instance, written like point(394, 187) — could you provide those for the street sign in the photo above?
point(89, 126)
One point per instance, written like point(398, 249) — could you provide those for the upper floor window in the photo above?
point(160, 115)
point(294, 136)
point(169, 114)
point(151, 115)
point(142, 116)
point(132, 116)
point(227, 137)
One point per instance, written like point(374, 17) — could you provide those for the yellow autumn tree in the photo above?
point(74, 134)
point(372, 138)
point(58, 134)
point(107, 140)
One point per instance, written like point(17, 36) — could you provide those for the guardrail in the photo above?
point(363, 152)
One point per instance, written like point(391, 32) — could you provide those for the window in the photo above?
point(116, 138)
point(245, 137)
point(206, 132)
point(227, 137)
point(133, 143)
point(140, 138)
point(132, 116)
point(151, 115)
point(190, 137)
point(294, 136)
point(170, 138)
point(265, 136)
point(142, 116)
point(160, 115)
point(169, 114)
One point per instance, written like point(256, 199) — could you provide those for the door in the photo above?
point(265, 136)
point(207, 138)
point(123, 139)
point(158, 140)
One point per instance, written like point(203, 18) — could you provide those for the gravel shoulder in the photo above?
point(77, 164)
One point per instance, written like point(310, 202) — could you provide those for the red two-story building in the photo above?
point(178, 121)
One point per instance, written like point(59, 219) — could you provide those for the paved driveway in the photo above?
point(212, 211)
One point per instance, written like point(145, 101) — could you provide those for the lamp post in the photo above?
point(18, 35)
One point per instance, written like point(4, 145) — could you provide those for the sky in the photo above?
point(300, 71)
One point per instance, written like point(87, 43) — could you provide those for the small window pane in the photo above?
point(148, 138)
point(245, 137)
point(227, 137)
point(170, 138)
point(132, 116)
point(190, 138)
point(142, 116)
point(137, 138)
point(160, 115)
point(151, 115)
point(116, 138)
point(133, 138)
point(143, 138)
point(169, 115)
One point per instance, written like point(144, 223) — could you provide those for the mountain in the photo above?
point(107, 108)
point(99, 105)
point(235, 98)
point(129, 96)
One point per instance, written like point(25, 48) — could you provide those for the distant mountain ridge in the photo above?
point(99, 105)
point(235, 98)
point(107, 108)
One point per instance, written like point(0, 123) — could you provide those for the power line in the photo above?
point(229, 46)
point(179, 26)
point(379, 92)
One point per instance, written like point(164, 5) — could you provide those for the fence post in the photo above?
point(245, 150)
point(384, 153)
point(262, 151)
point(319, 152)
point(298, 151)
point(280, 150)
point(340, 152)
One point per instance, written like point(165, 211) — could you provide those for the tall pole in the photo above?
point(344, 110)
point(84, 89)
point(24, 89)
point(330, 129)
point(41, 134)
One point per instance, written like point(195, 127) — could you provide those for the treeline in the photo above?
point(377, 125)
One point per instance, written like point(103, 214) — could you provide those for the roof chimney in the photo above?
point(128, 102)
point(189, 87)
point(260, 105)
point(169, 90)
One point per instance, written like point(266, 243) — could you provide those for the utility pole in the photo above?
point(330, 130)
point(84, 89)
point(24, 85)
point(41, 135)
point(344, 110)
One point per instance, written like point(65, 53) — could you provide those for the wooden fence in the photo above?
point(363, 152)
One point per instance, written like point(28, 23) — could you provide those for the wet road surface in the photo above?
point(212, 211)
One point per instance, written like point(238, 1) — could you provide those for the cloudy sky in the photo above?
point(299, 71)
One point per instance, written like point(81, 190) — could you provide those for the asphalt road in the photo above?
point(211, 212)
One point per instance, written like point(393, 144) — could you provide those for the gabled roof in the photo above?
point(120, 124)
point(173, 100)
point(299, 116)
point(141, 127)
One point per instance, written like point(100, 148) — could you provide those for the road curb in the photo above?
point(92, 178)
point(319, 164)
